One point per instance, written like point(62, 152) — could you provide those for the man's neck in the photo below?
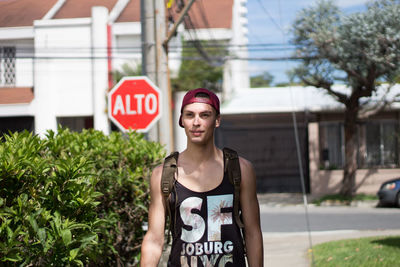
point(201, 153)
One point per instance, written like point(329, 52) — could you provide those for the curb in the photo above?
point(296, 199)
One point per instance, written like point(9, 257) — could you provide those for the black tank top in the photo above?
point(204, 230)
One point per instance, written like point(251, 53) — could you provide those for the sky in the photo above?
point(269, 23)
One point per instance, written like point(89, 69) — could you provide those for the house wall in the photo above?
point(71, 70)
point(236, 73)
point(239, 41)
point(324, 182)
point(63, 83)
point(24, 63)
point(126, 44)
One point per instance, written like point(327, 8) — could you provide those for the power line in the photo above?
point(298, 148)
point(218, 44)
point(269, 16)
point(75, 57)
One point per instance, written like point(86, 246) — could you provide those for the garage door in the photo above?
point(270, 146)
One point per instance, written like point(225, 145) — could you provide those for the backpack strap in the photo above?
point(232, 166)
point(168, 173)
point(170, 167)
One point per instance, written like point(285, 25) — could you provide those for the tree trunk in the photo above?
point(350, 143)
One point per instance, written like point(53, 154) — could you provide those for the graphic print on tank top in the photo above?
point(204, 232)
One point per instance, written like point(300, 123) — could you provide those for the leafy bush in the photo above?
point(74, 198)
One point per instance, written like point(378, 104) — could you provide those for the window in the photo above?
point(381, 143)
point(76, 124)
point(377, 144)
point(7, 66)
point(332, 149)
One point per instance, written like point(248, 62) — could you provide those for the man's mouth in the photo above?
point(196, 133)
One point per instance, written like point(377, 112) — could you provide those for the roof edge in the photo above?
point(62, 22)
point(51, 13)
point(117, 10)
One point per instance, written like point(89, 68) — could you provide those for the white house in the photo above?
point(56, 56)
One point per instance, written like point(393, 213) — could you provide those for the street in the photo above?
point(293, 219)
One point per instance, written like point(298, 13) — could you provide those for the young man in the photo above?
point(204, 231)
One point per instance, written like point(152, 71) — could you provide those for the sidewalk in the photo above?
point(290, 249)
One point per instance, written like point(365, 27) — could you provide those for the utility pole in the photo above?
point(155, 64)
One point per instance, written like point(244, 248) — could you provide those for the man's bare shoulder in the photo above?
point(157, 172)
point(158, 169)
point(247, 170)
point(245, 165)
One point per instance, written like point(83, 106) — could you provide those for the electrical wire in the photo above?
point(30, 48)
point(205, 20)
point(194, 40)
point(296, 134)
point(269, 16)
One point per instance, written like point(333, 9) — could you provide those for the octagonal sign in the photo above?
point(134, 104)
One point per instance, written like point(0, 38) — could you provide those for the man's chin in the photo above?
point(197, 140)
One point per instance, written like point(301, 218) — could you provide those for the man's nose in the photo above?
point(196, 120)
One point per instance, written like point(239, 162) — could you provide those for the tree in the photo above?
point(262, 80)
point(127, 69)
point(361, 50)
point(201, 66)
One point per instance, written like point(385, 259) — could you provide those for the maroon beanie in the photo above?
point(190, 98)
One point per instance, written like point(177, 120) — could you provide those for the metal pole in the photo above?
point(165, 130)
point(155, 63)
point(148, 50)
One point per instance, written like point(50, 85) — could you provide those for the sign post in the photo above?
point(134, 103)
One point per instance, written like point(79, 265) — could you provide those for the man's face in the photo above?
point(199, 121)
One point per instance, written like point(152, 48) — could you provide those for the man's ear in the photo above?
point(218, 121)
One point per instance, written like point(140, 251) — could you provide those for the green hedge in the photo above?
point(74, 198)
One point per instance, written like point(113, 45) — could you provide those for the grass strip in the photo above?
point(337, 198)
point(370, 251)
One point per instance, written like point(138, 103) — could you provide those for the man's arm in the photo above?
point(153, 241)
point(251, 215)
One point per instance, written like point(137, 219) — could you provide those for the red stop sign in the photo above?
point(134, 104)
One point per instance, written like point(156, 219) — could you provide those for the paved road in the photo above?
point(286, 239)
point(293, 219)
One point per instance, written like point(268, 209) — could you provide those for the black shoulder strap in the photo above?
point(167, 184)
point(168, 174)
point(232, 166)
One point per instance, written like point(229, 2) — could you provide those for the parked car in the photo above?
point(389, 193)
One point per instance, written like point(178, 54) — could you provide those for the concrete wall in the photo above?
point(324, 182)
point(126, 44)
point(63, 71)
point(24, 63)
point(236, 72)
point(71, 70)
